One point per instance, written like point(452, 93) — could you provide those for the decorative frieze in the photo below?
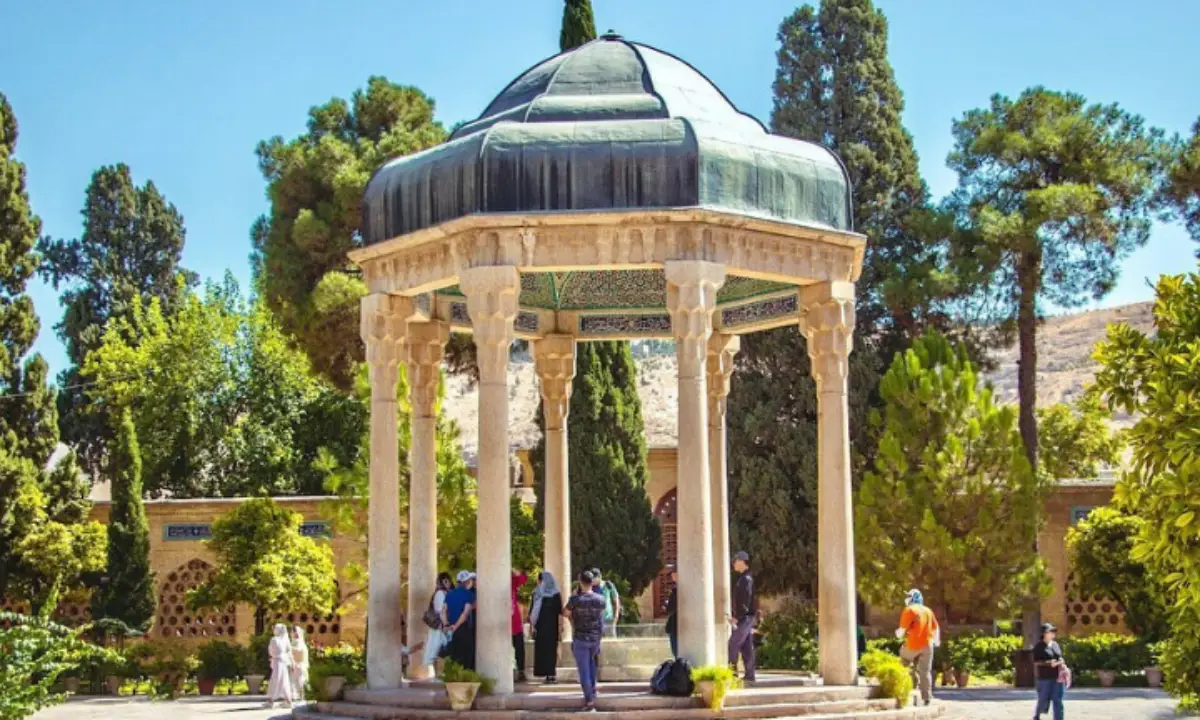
point(760, 311)
point(650, 324)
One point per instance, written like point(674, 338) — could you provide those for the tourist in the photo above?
point(671, 608)
point(745, 614)
point(612, 602)
point(519, 579)
point(1052, 674)
point(460, 602)
point(545, 622)
point(280, 652)
point(586, 612)
point(439, 631)
point(921, 634)
point(299, 663)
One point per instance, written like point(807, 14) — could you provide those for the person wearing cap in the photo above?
point(921, 634)
point(586, 613)
point(743, 617)
point(671, 608)
point(460, 602)
point(1051, 673)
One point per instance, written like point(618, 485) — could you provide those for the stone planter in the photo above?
point(707, 690)
point(72, 685)
point(206, 685)
point(462, 695)
point(963, 678)
point(1107, 677)
point(1154, 677)
point(113, 684)
point(332, 687)
point(948, 678)
point(254, 683)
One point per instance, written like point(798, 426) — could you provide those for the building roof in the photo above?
point(609, 125)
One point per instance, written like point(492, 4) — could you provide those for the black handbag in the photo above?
point(431, 616)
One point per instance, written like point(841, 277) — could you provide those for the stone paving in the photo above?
point(971, 704)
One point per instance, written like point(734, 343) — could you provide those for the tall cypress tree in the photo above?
point(578, 24)
point(129, 596)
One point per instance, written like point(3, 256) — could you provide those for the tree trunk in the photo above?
point(1028, 273)
point(260, 620)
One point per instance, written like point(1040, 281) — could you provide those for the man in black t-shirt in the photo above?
point(586, 612)
point(1048, 659)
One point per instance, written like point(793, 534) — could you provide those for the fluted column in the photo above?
point(721, 350)
point(424, 346)
point(691, 296)
point(554, 356)
point(492, 294)
point(827, 321)
point(383, 332)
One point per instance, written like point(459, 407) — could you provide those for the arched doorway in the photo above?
point(666, 512)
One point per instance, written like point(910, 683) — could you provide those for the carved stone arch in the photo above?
point(667, 513)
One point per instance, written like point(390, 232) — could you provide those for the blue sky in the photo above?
point(182, 92)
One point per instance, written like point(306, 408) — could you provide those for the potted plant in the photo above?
point(962, 659)
point(462, 685)
point(218, 660)
point(333, 668)
point(115, 670)
point(1154, 674)
point(713, 682)
point(257, 663)
point(171, 668)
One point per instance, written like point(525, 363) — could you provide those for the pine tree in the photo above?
point(578, 24)
point(1182, 190)
point(130, 247)
point(129, 595)
point(612, 524)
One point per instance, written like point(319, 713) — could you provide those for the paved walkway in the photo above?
point(970, 704)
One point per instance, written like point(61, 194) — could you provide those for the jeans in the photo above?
point(587, 660)
point(1049, 693)
point(921, 662)
point(742, 642)
point(518, 641)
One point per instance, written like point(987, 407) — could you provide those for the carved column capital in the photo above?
point(554, 356)
point(721, 350)
point(492, 294)
point(691, 297)
point(382, 326)
point(827, 321)
point(424, 347)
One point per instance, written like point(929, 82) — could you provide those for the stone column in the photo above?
point(555, 358)
point(691, 296)
point(827, 321)
point(492, 294)
point(424, 345)
point(383, 332)
point(721, 349)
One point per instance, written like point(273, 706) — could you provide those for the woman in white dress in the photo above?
point(299, 664)
point(280, 650)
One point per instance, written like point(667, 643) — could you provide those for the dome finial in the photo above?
point(611, 34)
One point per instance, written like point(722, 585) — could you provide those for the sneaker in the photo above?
point(522, 678)
point(551, 680)
point(589, 708)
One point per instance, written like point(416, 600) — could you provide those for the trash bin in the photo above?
point(1023, 672)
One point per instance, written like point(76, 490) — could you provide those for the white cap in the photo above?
point(465, 575)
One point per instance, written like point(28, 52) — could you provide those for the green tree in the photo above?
point(949, 469)
point(1101, 552)
point(315, 184)
point(130, 249)
point(1157, 378)
point(264, 561)
point(578, 24)
point(129, 594)
point(34, 653)
point(612, 524)
point(1075, 440)
point(1182, 190)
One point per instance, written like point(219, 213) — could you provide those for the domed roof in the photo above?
point(610, 125)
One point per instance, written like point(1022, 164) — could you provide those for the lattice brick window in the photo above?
point(74, 610)
point(667, 514)
point(175, 619)
point(8, 605)
point(318, 629)
point(1091, 611)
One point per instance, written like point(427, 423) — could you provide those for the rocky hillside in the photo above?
point(1065, 365)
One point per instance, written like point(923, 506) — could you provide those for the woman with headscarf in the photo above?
point(299, 663)
point(280, 652)
point(545, 617)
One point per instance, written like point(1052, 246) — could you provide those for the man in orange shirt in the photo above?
point(921, 634)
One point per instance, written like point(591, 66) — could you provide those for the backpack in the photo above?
point(609, 590)
point(673, 678)
point(431, 617)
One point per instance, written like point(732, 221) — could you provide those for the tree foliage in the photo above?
point(130, 249)
point(612, 524)
point(129, 593)
point(1075, 440)
point(1157, 378)
point(578, 24)
point(34, 653)
point(952, 506)
point(1101, 552)
point(223, 405)
point(1182, 190)
point(315, 183)
point(264, 561)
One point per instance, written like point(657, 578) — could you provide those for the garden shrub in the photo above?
point(258, 658)
point(220, 660)
point(1106, 651)
point(342, 660)
point(894, 678)
point(789, 637)
point(983, 654)
point(34, 653)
